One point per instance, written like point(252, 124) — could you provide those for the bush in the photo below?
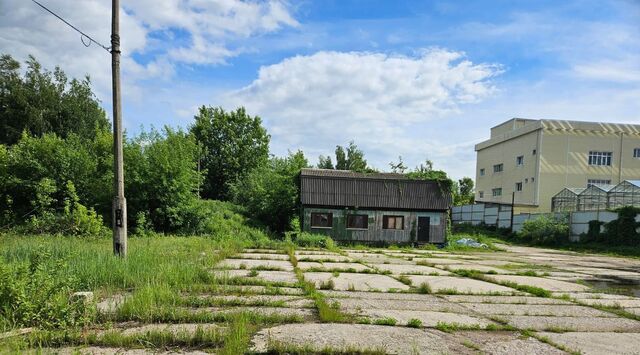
point(545, 230)
point(37, 294)
point(624, 229)
point(309, 240)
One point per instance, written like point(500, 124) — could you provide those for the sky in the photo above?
point(416, 79)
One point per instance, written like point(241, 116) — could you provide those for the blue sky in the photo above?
point(420, 79)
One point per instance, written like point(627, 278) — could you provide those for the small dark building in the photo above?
point(373, 207)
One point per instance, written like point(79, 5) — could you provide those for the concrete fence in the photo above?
point(501, 216)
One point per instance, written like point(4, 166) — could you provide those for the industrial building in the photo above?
point(373, 207)
point(526, 162)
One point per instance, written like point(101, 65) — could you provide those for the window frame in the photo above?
point(598, 182)
point(498, 168)
point(351, 215)
point(497, 189)
point(636, 153)
point(519, 186)
point(520, 160)
point(480, 194)
point(600, 158)
point(385, 222)
point(482, 172)
point(329, 219)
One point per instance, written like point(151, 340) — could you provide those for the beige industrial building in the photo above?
point(529, 161)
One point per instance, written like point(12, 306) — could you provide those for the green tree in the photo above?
point(398, 167)
point(234, 144)
point(351, 158)
point(271, 192)
point(425, 171)
point(325, 162)
point(43, 102)
point(170, 176)
point(463, 192)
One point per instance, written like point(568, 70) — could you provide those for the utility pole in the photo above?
point(119, 202)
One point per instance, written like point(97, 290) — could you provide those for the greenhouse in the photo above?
point(566, 200)
point(594, 198)
point(626, 193)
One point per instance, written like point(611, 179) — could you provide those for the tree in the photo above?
point(463, 192)
point(271, 193)
point(351, 158)
point(425, 171)
point(325, 162)
point(398, 167)
point(44, 102)
point(233, 143)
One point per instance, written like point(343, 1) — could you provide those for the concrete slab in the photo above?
point(400, 296)
point(171, 328)
point(324, 258)
point(262, 256)
point(545, 283)
point(270, 276)
point(305, 265)
point(244, 290)
point(440, 261)
point(536, 310)
point(579, 324)
point(428, 318)
point(305, 313)
point(350, 337)
point(505, 343)
point(291, 301)
point(96, 350)
point(265, 251)
point(480, 268)
point(624, 303)
point(503, 299)
point(378, 258)
point(356, 282)
point(305, 252)
point(256, 263)
point(345, 266)
point(597, 343)
point(459, 284)
point(403, 269)
point(434, 304)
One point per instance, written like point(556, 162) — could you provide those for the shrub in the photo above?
point(310, 240)
point(414, 323)
point(624, 229)
point(545, 230)
point(37, 294)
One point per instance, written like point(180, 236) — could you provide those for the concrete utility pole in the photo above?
point(119, 202)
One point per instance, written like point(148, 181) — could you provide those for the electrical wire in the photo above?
point(82, 34)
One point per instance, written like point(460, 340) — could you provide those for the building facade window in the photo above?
point(497, 192)
point(520, 160)
point(357, 221)
point(392, 222)
point(591, 182)
point(498, 168)
point(321, 220)
point(482, 172)
point(518, 186)
point(481, 194)
point(600, 158)
point(534, 152)
point(636, 152)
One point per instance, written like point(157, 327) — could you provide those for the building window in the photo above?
point(636, 152)
point(497, 192)
point(518, 186)
point(600, 158)
point(533, 179)
point(392, 222)
point(481, 194)
point(498, 168)
point(482, 172)
point(520, 160)
point(322, 220)
point(357, 221)
point(534, 152)
point(596, 182)
point(526, 180)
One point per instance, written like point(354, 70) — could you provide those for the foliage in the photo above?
point(545, 230)
point(310, 240)
point(270, 193)
point(623, 230)
point(427, 172)
point(36, 292)
point(463, 192)
point(234, 144)
point(41, 102)
point(349, 158)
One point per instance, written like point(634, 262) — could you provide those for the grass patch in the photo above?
point(277, 347)
point(414, 323)
point(424, 288)
point(385, 321)
point(328, 285)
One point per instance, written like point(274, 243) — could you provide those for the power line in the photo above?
point(83, 35)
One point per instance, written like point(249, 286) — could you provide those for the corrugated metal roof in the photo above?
point(339, 188)
point(351, 174)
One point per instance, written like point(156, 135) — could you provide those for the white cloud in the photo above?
point(379, 100)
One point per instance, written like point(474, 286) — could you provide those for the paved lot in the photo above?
point(519, 301)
